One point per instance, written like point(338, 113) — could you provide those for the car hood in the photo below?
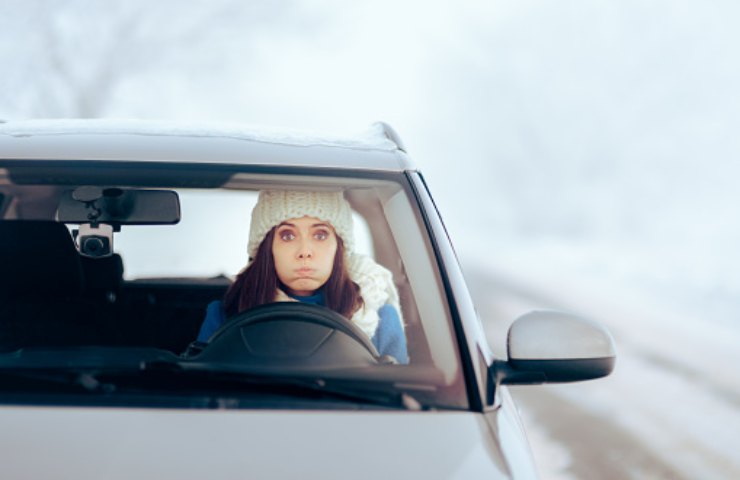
point(110, 443)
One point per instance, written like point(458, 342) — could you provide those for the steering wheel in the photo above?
point(290, 334)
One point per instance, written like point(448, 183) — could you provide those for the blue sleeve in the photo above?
point(214, 318)
point(390, 338)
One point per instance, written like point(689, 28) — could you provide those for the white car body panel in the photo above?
point(111, 443)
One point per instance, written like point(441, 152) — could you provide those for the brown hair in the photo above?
point(257, 284)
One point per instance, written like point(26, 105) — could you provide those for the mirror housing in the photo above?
point(119, 206)
point(553, 347)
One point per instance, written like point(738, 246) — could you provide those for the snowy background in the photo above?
point(583, 153)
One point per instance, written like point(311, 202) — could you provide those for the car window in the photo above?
point(173, 272)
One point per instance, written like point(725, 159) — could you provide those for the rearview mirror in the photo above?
point(119, 206)
point(553, 347)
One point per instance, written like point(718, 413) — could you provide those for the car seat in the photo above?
point(41, 285)
point(38, 258)
point(103, 277)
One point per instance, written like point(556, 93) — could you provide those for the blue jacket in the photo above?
point(389, 338)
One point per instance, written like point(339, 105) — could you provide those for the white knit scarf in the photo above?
point(376, 289)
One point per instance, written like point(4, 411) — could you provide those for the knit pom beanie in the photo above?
point(275, 206)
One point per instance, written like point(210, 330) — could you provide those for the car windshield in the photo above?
point(135, 302)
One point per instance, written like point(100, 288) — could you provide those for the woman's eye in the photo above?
point(286, 235)
point(321, 235)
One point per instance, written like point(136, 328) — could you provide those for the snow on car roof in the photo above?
point(107, 139)
point(372, 138)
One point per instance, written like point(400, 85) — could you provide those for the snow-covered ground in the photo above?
point(675, 391)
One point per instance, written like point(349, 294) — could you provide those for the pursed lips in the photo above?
point(304, 272)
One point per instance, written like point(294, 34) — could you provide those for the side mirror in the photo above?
point(552, 347)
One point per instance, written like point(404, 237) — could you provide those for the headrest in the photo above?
point(103, 274)
point(38, 257)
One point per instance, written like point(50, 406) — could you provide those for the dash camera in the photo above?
point(95, 241)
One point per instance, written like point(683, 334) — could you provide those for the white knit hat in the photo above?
point(275, 206)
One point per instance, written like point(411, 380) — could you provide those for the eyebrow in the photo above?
point(315, 225)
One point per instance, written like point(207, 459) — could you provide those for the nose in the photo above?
point(304, 250)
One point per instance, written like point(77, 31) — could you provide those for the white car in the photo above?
point(116, 235)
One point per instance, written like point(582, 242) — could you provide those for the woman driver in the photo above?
point(300, 249)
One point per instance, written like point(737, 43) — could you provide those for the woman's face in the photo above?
point(304, 250)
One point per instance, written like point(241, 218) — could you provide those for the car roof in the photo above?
point(377, 149)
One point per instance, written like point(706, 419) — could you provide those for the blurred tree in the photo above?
point(70, 58)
